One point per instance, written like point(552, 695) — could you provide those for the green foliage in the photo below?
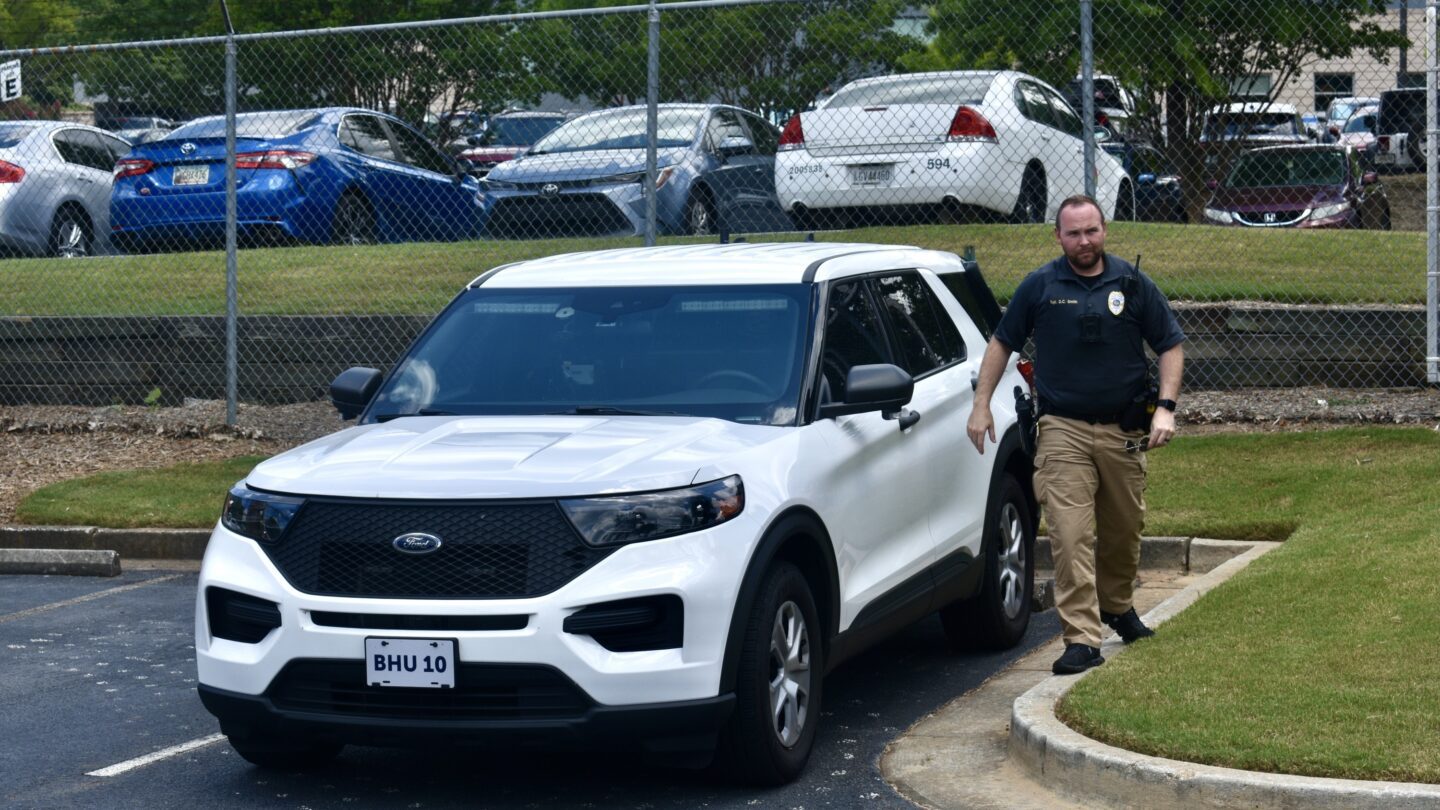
point(181, 496)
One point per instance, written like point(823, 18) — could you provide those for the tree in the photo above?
point(32, 24)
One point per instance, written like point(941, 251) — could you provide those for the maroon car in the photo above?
point(507, 136)
point(1313, 186)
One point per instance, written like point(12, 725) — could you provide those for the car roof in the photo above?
point(716, 264)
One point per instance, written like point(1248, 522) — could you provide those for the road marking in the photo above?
point(164, 753)
point(10, 617)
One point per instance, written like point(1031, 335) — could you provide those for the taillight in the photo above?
point(10, 173)
point(130, 167)
point(1027, 370)
point(1384, 141)
point(274, 159)
point(793, 136)
point(970, 125)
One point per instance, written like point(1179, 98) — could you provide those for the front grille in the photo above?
point(482, 692)
point(487, 551)
point(565, 215)
point(1271, 218)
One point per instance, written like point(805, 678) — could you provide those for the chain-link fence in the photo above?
point(1266, 158)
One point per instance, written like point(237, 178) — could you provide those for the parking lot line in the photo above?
point(156, 756)
point(10, 617)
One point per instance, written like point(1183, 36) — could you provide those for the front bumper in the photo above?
point(575, 210)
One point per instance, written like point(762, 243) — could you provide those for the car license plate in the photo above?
point(873, 174)
point(190, 175)
point(423, 662)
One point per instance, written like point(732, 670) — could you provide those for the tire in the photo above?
point(71, 236)
point(700, 216)
point(1125, 204)
point(806, 220)
point(285, 754)
point(1030, 203)
point(781, 661)
point(997, 617)
point(354, 221)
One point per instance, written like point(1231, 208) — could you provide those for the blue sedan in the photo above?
point(322, 175)
point(716, 170)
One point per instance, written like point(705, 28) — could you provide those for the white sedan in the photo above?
point(965, 142)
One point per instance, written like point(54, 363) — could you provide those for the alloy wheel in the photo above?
point(789, 674)
point(1012, 565)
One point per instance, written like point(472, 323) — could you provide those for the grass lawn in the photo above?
point(1317, 659)
point(1198, 263)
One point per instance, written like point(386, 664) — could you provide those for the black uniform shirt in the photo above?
point(1091, 365)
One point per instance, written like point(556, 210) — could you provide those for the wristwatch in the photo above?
point(1167, 404)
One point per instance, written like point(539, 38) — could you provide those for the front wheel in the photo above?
point(700, 216)
point(998, 616)
point(778, 683)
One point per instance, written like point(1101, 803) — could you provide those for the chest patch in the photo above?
point(1116, 303)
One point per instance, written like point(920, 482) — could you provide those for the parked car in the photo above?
point(507, 135)
point(1159, 195)
point(1114, 105)
point(1316, 186)
point(1339, 110)
point(716, 171)
point(1400, 129)
point(987, 142)
point(143, 129)
point(454, 131)
point(1314, 125)
point(615, 500)
point(55, 187)
point(1229, 129)
point(336, 174)
point(1359, 133)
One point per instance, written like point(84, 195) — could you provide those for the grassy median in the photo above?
point(1197, 263)
point(178, 497)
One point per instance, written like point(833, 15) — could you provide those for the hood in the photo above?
point(509, 456)
point(561, 166)
point(1276, 198)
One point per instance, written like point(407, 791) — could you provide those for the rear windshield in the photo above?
point(12, 134)
point(623, 129)
point(1402, 111)
point(518, 131)
point(1361, 122)
point(249, 125)
point(1288, 168)
point(914, 90)
point(1224, 126)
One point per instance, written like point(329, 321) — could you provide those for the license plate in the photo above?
point(871, 174)
point(190, 175)
point(423, 662)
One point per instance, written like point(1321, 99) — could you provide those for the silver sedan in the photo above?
point(55, 180)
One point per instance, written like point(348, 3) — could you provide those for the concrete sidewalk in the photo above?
point(1001, 746)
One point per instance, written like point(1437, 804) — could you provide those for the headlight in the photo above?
point(605, 522)
point(1215, 214)
point(1330, 210)
point(661, 177)
point(258, 515)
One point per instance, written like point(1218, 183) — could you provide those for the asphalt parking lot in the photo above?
point(98, 709)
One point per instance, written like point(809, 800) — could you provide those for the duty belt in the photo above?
point(1046, 409)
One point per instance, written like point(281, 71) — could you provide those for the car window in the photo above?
point(367, 135)
point(1065, 118)
point(853, 337)
point(765, 135)
point(724, 124)
point(115, 146)
point(924, 334)
point(94, 153)
point(12, 134)
point(67, 143)
point(1260, 169)
point(249, 125)
point(1033, 104)
point(940, 89)
point(623, 129)
point(417, 151)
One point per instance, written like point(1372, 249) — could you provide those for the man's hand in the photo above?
point(981, 424)
point(1162, 427)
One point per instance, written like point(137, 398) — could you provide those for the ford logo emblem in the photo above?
point(550, 190)
point(416, 543)
point(187, 148)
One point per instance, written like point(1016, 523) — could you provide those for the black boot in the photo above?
point(1077, 658)
point(1126, 625)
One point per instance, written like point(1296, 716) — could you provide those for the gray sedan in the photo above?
point(55, 180)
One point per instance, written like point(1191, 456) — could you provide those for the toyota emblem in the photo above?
point(416, 543)
point(550, 190)
point(187, 148)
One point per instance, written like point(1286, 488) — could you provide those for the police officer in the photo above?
point(1091, 315)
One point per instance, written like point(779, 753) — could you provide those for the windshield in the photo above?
point(519, 131)
point(731, 352)
point(622, 129)
point(258, 125)
point(1288, 168)
point(1342, 110)
point(913, 90)
point(1361, 123)
point(12, 134)
point(1224, 126)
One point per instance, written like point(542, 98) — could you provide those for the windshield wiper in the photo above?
point(606, 410)
point(386, 417)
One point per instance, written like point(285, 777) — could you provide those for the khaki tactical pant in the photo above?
point(1093, 493)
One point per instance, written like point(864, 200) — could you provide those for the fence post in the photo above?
point(1087, 93)
point(652, 100)
point(1432, 205)
point(232, 303)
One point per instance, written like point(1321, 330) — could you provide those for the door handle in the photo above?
point(974, 380)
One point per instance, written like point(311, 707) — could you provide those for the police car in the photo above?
point(639, 498)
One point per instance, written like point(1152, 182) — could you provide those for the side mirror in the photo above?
point(880, 387)
point(353, 389)
point(1146, 179)
point(1103, 134)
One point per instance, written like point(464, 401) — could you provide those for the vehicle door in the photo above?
point(929, 345)
point(738, 180)
point(370, 157)
point(879, 489)
point(443, 197)
point(107, 149)
point(1034, 134)
point(1068, 175)
point(88, 172)
point(768, 215)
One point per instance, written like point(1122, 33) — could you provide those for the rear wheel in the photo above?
point(700, 216)
point(1030, 204)
point(284, 753)
point(70, 234)
point(778, 683)
point(354, 221)
point(1125, 204)
point(998, 616)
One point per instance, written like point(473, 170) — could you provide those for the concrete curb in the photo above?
point(1091, 772)
point(70, 562)
point(149, 544)
point(1195, 556)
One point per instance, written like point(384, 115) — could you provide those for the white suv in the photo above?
point(641, 497)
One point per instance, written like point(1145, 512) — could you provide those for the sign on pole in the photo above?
point(10, 81)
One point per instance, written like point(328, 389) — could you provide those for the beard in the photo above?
point(1085, 260)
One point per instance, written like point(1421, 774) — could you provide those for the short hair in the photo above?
point(1075, 201)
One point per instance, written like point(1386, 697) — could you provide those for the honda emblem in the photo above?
point(1270, 216)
